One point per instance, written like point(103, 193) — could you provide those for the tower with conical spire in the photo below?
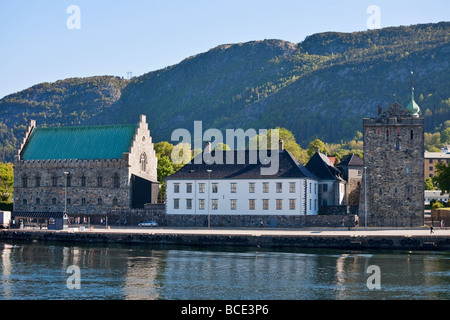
point(392, 189)
point(413, 108)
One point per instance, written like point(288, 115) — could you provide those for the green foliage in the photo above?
point(429, 185)
point(6, 182)
point(442, 178)
point(317, 144)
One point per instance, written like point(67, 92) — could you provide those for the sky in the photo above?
point(50, 40)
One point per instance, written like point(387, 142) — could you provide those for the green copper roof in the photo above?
point(413, 107)
point(82, 143)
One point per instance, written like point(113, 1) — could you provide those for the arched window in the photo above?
point(115, 202)
point(24, 181)
point(116, 181)
point(387, 135)
point(412, 135)
point(143, 161)
point(99, 180)
point(83, 180)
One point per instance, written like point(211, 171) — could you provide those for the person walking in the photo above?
point(431, 229)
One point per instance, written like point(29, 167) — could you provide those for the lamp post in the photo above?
point(365, 197)
point(65, 192)
point(209, 201)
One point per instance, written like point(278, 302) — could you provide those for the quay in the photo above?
point(355, 239)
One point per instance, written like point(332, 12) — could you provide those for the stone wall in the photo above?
point(394, 157)
point(157, 213)
point(438, 215)
point(46, 184)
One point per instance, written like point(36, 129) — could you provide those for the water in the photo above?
point(40, 271)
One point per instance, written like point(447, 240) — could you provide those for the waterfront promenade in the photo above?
point(342, 238)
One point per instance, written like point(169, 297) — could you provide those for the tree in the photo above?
point(6, 182)
point(445, 136)
point(313, 147)
point(442, 178)
point(429, 185)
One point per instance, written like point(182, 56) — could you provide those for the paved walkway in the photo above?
point(283, 232)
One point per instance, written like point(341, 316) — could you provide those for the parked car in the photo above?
point(148, 224)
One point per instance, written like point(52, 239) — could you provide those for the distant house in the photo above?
point(331, 181)
point(352, 168)
point(85, 169)
point(233, 189)
point(431, 159)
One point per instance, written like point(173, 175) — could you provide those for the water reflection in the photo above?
point(39, 271)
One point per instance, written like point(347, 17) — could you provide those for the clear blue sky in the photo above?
point(145, 35)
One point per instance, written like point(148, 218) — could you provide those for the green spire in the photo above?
point(413, 107)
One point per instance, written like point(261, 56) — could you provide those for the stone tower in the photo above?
point(392, 193)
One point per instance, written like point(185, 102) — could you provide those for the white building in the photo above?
point(241, 189)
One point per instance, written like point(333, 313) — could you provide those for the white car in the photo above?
point(148, 224)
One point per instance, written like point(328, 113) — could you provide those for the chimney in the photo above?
point(280, 145)
point(208, 147)
point(379, 110)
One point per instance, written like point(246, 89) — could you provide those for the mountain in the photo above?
point(319, 88)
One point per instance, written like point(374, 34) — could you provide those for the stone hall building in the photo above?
point(85, 169)
point(392, 193)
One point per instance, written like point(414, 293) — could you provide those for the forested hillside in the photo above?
point(319, 88)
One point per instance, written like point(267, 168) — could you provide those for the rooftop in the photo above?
point(82, 143)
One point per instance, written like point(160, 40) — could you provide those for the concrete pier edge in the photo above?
point(243, 238)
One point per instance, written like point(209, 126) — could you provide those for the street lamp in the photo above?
point(365, 197)
point(65, 192)
point(209, 201)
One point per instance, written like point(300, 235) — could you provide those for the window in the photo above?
point(310, 206)
point(83, 201)
point(291, 204)
point(188, 187)
point(115, 202)
point(292, 187)
point(176, 188)
point(387, 135)
point(265, 187)
point(279, 204)
point(397, 145)
point(69, 180)
point(310, 187)
point(99, 181)
point(325, 202)
point(24, 202)
point(188, 204)
point(251, 204)
point(215, 204)
point(201, 188)
point(430, 168)
point(233, 187)
point(38, 200)
point(69, 201)
point(54, 181)
point(143, 161)
point(412, 135)
point(24, 181)
point(176, 203)
point(265, 204)
point(315, 204)
point(38, 181)
point(251, 187)
point(116, 181)
point(430, 160)
point(233, 204)
point(201, 204)
point(53, 201)
point(99, 201)
point(279, 187)
point(325, 187)
point(215, 188)
point(83, 180)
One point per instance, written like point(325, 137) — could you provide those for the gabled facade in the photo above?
point(331, 182)
point(86, 169)
point(240, 189)
point(352, 168)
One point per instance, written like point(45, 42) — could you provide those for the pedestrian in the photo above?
point(431, 229)
point(442, 224)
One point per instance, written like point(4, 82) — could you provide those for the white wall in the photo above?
point(243, 195)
